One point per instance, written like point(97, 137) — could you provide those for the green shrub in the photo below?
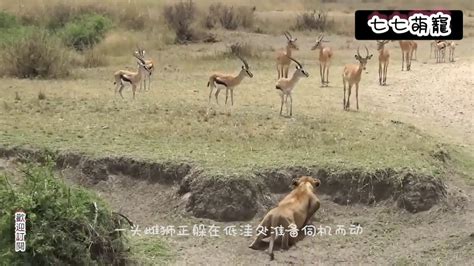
point(7, 20)
point(85, 31)
point(37, 54)
point(64, 225)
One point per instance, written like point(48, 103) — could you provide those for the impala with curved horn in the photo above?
point(351, 76)
point(148, 63)
point(133, 78)
point(227, 81)
point(283, 56)
point(325, 56)
point(287, 85)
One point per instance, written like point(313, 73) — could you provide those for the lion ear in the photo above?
point(294, 183)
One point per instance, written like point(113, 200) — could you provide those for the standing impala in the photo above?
point(133, 78)
point(384, 56)
point(351, 76)
point(229, 82)
point(283, 56)
point(325, 56)
point(286, 86)
point(149, 64)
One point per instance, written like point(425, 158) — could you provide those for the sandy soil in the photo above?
point(443, 234)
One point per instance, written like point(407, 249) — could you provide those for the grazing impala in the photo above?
point(384, 57)
point(286, 86)
point(227, 81)
point(351, 76)
point(283, 56)
point(325, 56)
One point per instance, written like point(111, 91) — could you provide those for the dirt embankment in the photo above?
point(240, 198)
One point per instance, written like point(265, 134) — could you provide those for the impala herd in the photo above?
point(285, 85)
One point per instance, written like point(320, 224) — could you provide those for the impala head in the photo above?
point(140, 52)
point(291, 41)
point(245, 67)
point(299, 69)
point(141, 63)
point(363, 60)
point(318, 43)
point(380, 44)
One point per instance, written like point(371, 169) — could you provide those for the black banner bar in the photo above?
point(408, 25)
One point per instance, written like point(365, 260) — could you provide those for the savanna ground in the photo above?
point(401, 125)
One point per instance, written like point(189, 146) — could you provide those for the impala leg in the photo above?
point(120, 90)
point(344, 100)
point(357, 95)
point(218, 90)
point(149, 81)
point(380, 73)
point(403, 59)
point(321, 72)
point(291, 105)
point(134, 88)
point(281, 106)
point(385, 73)
point(327, 74)
point(232, 96)
point(278, 71)
point(226, 95)
point(348, 104)
point(210, 94)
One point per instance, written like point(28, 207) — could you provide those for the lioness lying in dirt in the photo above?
point(296, 208)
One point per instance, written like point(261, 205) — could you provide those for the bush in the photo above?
point(314, 20)
point(38, 54)
point(180, 18)
point(64, 225)
point(7, 21)
point(245, 50)
point(85, 31)
point(94, 58)
point(229, 18)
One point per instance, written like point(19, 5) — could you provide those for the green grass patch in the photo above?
point(169, 123)
point(64, 224)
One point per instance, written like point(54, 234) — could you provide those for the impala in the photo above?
point(325, 56)
point(287, 85)
point(351, 76)
point(283, 56)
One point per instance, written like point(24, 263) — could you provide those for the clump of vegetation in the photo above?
point(38, 54)
point(64, 225)
point(85, 31)
point(7, 20)
point(180, 18)
point(94, 58)
point(230, 18)
point(41, 96)
point(245, 50)
point(314, 20)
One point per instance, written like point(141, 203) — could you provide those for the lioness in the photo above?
point(296, 208)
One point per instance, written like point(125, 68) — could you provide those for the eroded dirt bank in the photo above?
point(416, 219)
point(240, 198)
